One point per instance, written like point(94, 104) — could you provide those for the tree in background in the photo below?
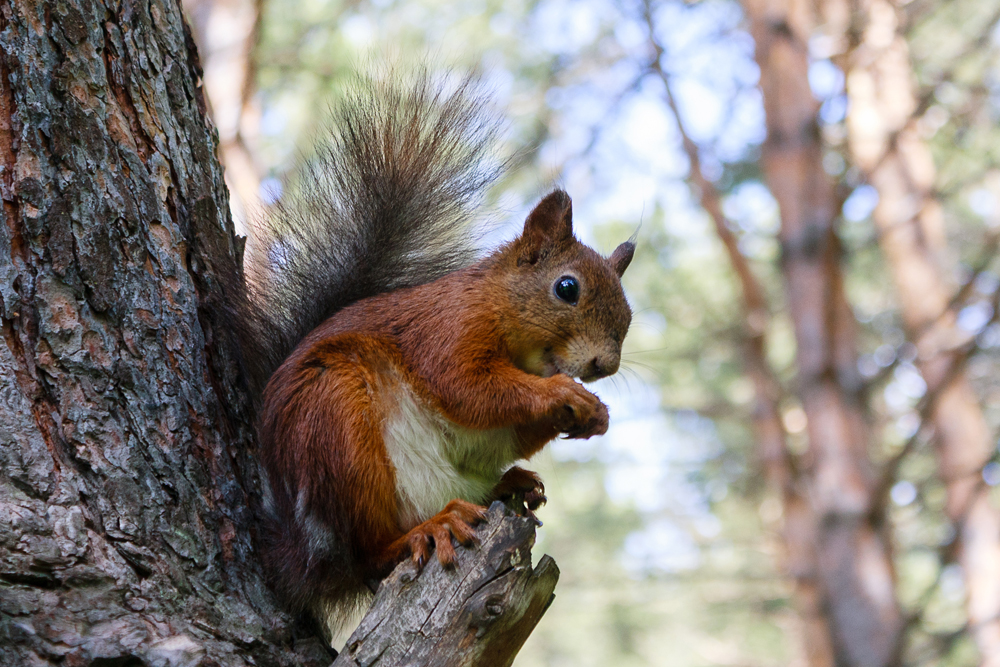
point(226, 33)
point(885, 143)
point(884, 126)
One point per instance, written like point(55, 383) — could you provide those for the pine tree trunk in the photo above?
point(799, 531)
point(885, 143)
point(125, 475)
point(854, 577)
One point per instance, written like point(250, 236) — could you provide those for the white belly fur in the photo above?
point(436, 460)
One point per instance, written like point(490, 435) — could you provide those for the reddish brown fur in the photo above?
point(484, 346)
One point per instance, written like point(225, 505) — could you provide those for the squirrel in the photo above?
point(399, 379)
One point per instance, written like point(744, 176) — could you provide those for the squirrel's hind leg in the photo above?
point(456, 520)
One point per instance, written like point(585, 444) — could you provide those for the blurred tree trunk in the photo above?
point(855, 576)
point(226, 32)
point(885, 143)
point(125, 438)
point(799, 531)
point(798, 534)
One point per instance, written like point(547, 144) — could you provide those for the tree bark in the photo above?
point(125, 467)
point(478, 613)
point(855, 575)
point(885, 143)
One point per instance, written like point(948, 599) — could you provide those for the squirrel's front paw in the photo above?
point(523, 486)
point(580, 414)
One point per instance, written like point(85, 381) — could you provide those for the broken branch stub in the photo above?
point(477, 613)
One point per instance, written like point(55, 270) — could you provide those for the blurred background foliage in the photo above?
point(671, 539)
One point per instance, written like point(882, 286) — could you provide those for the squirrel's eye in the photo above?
point(567, 288)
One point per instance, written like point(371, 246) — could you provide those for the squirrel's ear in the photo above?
point(622, 257)
point(549, 223)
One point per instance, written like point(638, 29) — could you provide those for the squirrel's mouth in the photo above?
point(588, 372)
point(554, 365)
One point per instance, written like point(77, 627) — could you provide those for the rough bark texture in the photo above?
point(124, 438)
point(478, 613)
point(854, 577)
point(885, 142)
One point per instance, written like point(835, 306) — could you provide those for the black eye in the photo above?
point(567, 288)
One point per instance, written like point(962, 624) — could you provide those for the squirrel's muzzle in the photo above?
point(601, 367)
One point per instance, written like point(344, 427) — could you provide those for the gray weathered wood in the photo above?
point(478, 613)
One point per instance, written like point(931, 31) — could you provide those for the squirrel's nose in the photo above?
point(604, 366)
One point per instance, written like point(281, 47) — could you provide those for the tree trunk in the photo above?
point(227, 57)
point(885, 143)
point(125, 530)
point(798, 534)
point(855, 576)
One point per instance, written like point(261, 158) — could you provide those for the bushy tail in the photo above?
point(386, 203)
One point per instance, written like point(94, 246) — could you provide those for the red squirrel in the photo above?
point(388, 427)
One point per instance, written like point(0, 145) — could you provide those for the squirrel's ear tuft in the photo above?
point(622, 257)
point(550, 223)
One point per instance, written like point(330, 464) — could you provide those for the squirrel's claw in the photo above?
point(524, 488)
point(534, 499)
point(455, 520)
point(581, 415)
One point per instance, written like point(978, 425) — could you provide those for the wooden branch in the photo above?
point(479, 612)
